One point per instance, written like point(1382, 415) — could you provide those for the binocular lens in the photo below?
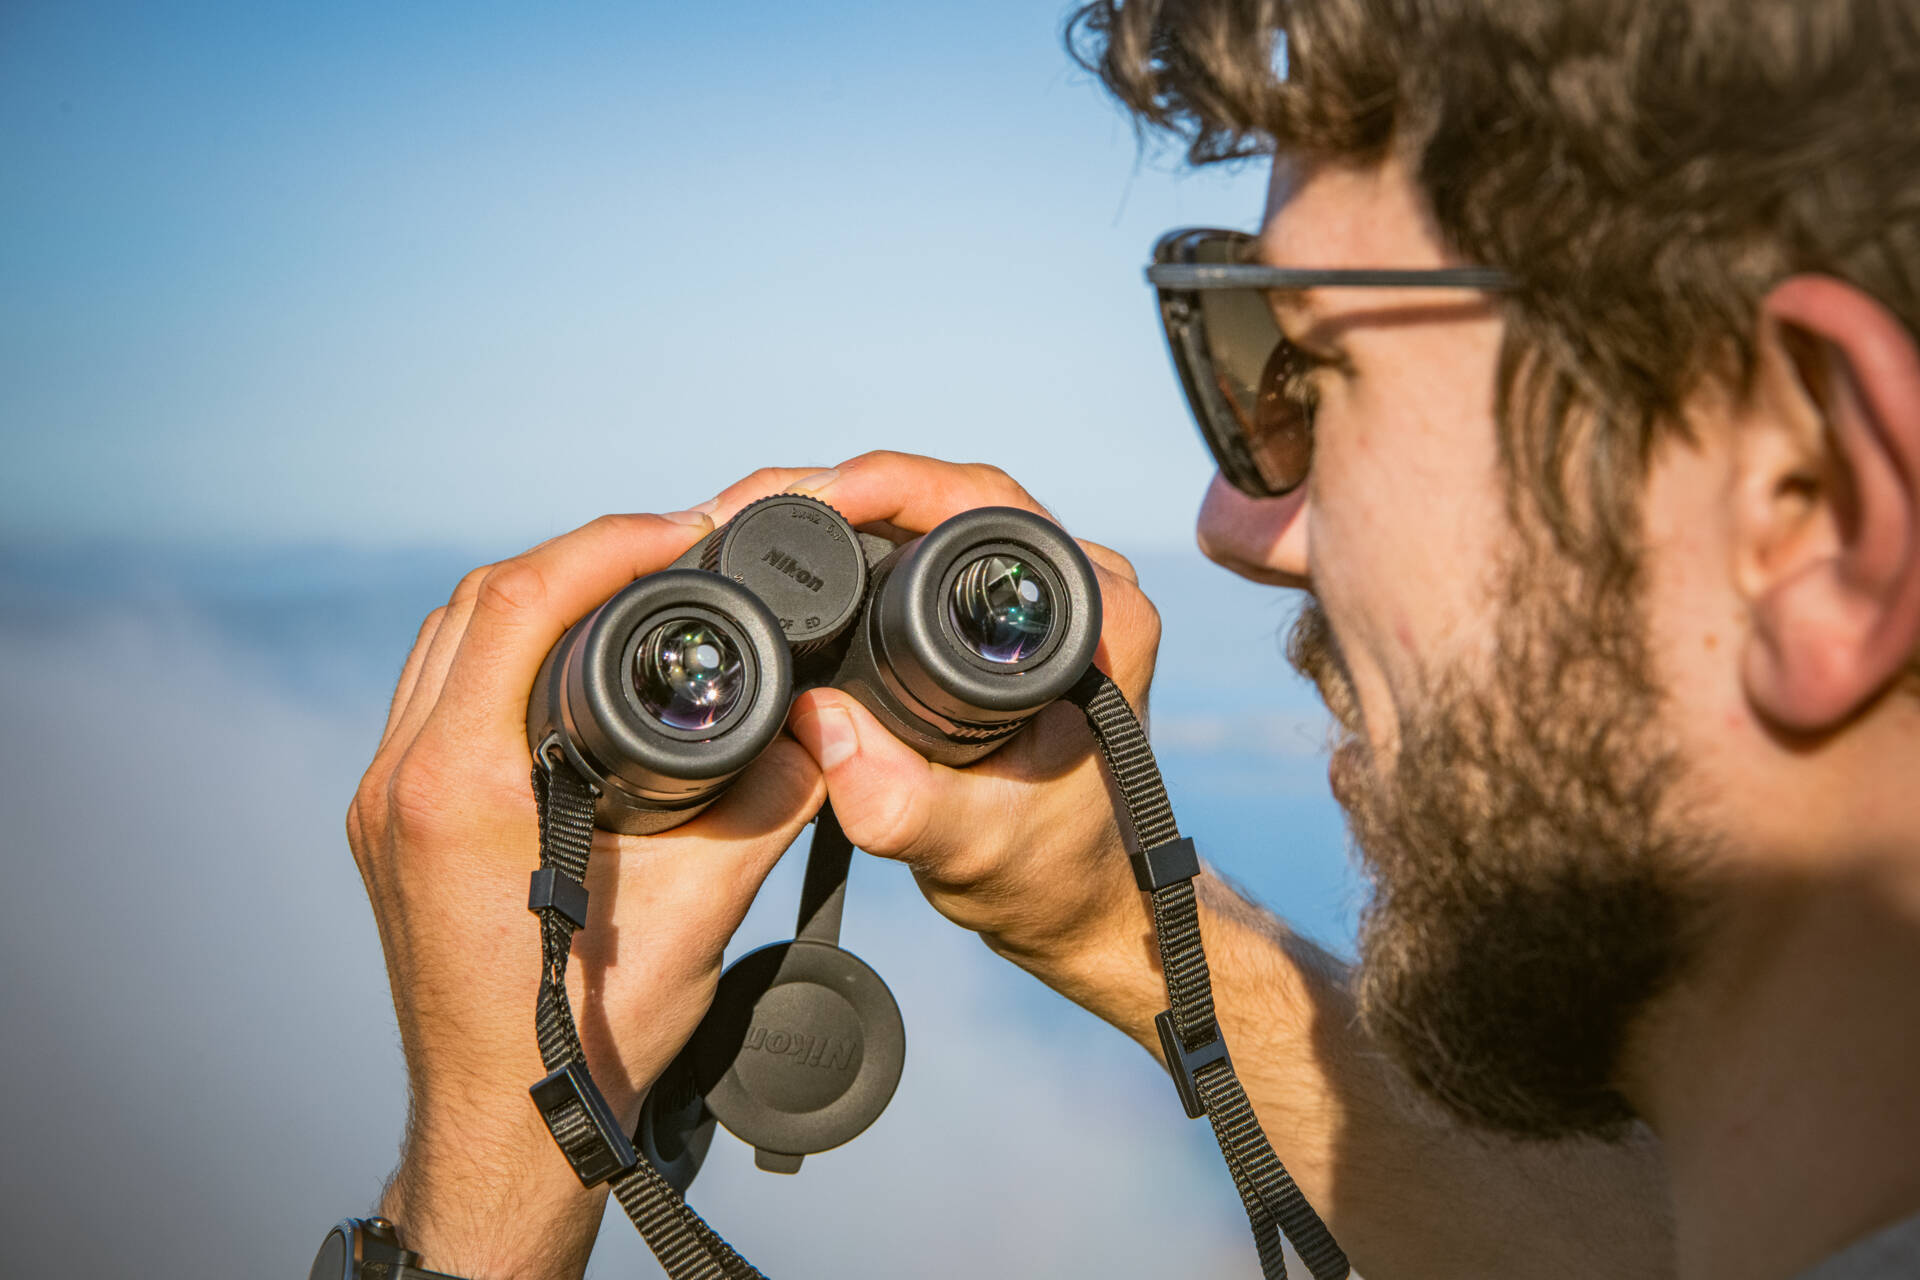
point(688, 673)
point(1002, 608)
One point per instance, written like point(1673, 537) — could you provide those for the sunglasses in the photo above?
point(1245, 382)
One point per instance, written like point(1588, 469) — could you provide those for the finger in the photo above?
point(889, 530)
point(1129, 635)
point(761, 814)
point(432, 674)
point(694, 884)
point(890, 800)
point(763, 483)
point(523, 605)
point(410, 674)
point(1109, 559)
point(918, 493)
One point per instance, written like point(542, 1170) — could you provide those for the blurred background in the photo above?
point(304, 311)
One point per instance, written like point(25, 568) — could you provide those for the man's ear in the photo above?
point(1829, 541)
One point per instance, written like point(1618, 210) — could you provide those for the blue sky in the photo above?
point(470, 274)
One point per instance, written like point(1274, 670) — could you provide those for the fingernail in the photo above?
point(815, 482)
point(693, 515)
point(828, 735)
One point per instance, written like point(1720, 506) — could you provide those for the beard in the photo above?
point(1531, 892)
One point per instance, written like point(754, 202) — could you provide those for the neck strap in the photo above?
point(1164, 866)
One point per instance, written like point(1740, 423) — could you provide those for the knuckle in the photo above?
point(619, 522)
point(430, 626)
point(367, 811)
point(626, 526)
point(468, 586)
point(1143, 621)
point(879, 458)
point(512, 587)
point(1149, 614)
point(415, 798)
point(610, 523)
point(894, 827)
point(1119, 564)
point(995, 479)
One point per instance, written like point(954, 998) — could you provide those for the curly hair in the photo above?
point(1646, 169)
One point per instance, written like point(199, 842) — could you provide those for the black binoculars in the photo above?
point(954, 640)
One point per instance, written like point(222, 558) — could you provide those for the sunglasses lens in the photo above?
point(1281, 441)
point(1244, 378)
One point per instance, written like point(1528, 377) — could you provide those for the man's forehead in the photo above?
point(1320, 214)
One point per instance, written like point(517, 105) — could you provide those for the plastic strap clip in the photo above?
point(1186, 1064)
point(582, 1123)
point(1165, 864)
point(554, 890)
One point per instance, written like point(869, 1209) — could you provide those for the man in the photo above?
point(1615, 568)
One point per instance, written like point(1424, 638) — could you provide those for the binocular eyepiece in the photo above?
point(954, 640)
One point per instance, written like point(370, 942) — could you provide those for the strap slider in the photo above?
point(1165, 864)
point(554, 890)
point(1185, 1064)
point(580, 1120)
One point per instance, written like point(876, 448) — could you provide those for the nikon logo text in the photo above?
point(791, 567)
point(812, 1051)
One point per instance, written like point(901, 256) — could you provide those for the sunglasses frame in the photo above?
point(1179, 279)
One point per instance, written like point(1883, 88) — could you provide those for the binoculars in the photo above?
point(954, 640)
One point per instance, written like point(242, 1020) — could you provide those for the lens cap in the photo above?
point(801, 1051)
point(801, 557)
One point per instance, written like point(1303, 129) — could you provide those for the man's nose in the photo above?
point(1264, 539)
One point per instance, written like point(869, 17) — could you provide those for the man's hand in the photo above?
point(1021, 847)
point(443, 829)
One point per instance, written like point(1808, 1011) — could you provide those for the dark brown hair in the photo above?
point(1647, 169)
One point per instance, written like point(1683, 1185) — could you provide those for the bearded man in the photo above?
point(1605, 488)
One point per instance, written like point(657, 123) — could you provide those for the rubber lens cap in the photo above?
point(802, 1050)
point(801, 558)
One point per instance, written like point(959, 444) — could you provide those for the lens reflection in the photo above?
point(1002, 608)
point(688, 673)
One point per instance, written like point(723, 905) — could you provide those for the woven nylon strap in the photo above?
point(688, 1249)
point(1274, 1204)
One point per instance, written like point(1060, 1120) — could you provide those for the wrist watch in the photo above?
point(368, 1249)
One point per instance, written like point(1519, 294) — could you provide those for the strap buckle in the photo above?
point(1185, 1064)
point(1164, 864)
point(581, 1121)
point(554, 890)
